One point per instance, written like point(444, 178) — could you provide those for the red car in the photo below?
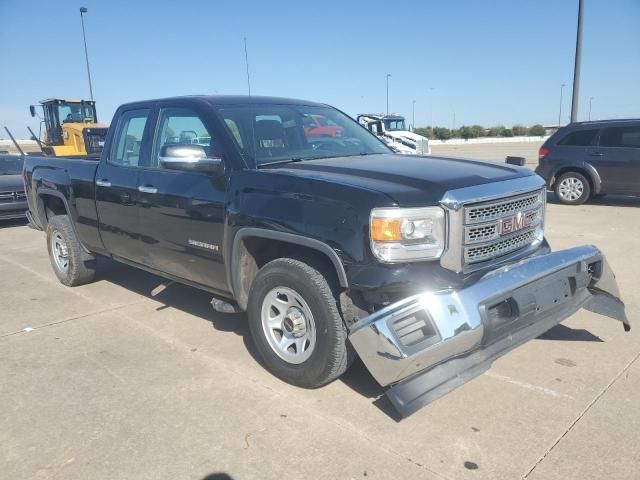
point(319, 126)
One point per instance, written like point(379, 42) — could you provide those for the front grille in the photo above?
point(495, 210)
point(8, 197)
point(492, 250)
point(483, 239)
point(94, 140)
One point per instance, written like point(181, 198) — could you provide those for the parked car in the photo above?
point(13, 202)
point(320, 126)
point(590, 159)
point(427, 268)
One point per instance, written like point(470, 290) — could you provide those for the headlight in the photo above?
point(407, 234)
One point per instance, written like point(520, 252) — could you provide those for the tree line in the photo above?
point(476, 131)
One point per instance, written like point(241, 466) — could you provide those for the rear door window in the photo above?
point(128, 139)
point(579, 138)
point(624, 137)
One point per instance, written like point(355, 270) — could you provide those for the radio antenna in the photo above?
point(246, 61)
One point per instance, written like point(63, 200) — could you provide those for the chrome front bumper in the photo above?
point(426, 345)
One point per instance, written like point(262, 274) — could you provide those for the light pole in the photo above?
point(560, 112)
point(83, 10)
point(590, 100)
point(576, 65)
point(388, 75)
point(431, 104)
point(413, 115)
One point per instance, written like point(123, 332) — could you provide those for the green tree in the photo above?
point(425, 132)
point(507, 132)
point(537, 130)
point(520, 130)
point(478, 131)
point(466, 132)
point(497, 131)
point(442, 133)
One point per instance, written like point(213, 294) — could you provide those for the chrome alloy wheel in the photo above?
point(288, 325)
point(60, 252)
point(571, 189)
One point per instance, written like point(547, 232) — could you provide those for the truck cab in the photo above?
point(392, 130)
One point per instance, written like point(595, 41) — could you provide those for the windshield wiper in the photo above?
point(280, 162)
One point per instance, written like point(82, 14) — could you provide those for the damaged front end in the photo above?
point(426, 345)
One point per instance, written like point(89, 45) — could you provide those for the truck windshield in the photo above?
point(75, 112)
point(271, 134)
point(395, 124)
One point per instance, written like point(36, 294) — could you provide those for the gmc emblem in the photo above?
point(514, 223)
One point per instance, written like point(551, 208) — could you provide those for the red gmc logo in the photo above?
point(514, 223)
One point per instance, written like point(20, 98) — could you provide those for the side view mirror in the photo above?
point(188, 157)
point(32, 109)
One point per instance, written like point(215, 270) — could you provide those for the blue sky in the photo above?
point(490, 62)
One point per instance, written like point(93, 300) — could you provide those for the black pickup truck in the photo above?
point(427, 268)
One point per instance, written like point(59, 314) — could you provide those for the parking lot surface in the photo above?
point(103, 381)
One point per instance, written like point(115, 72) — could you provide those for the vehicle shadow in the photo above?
point(607, 200)
point(14, 222)
point(567, 334)
point(197, 303)
point(218, 476)
point(181, 297)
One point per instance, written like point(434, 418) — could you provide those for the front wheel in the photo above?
point(295, 324)
point(572, 188)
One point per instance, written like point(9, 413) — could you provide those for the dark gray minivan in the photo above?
point(588, 159)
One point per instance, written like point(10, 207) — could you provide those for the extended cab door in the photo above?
point(117, 180)
point(182, 212)
point(620, 150)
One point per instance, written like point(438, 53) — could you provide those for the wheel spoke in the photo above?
point(288, 325)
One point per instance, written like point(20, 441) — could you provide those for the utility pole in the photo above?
point(560, 111)
point(246, 61)
point(590, 100)
point(576, 66)
point(431, 104)
point(413, 115)
point(84, 10)
point(388, 75)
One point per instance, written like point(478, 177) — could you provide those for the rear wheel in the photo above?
point(295, 324)
point(71, 264)
point(572, 188)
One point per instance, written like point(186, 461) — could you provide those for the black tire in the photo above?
point(569, 197)
point(80, 265)
point(332, 354)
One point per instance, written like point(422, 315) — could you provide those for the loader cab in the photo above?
point(66, 123)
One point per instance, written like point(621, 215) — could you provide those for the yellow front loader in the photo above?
point(71, 128)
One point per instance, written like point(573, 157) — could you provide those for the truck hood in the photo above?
point(407, 180)
point(402, 134)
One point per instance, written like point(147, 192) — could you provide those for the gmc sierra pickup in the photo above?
point(427, 268)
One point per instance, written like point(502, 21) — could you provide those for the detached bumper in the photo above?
point(426, 345)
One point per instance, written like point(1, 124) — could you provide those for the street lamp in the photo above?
point(83, 10)
point(590, 100)
point(431, 102)
point(388, 76)
point(413, 115)
point(560, 112)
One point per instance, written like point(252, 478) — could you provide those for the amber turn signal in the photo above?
point(386, 229)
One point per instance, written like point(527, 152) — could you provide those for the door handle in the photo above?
point(596, 154)
point(144, 189)
point(103, 183)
